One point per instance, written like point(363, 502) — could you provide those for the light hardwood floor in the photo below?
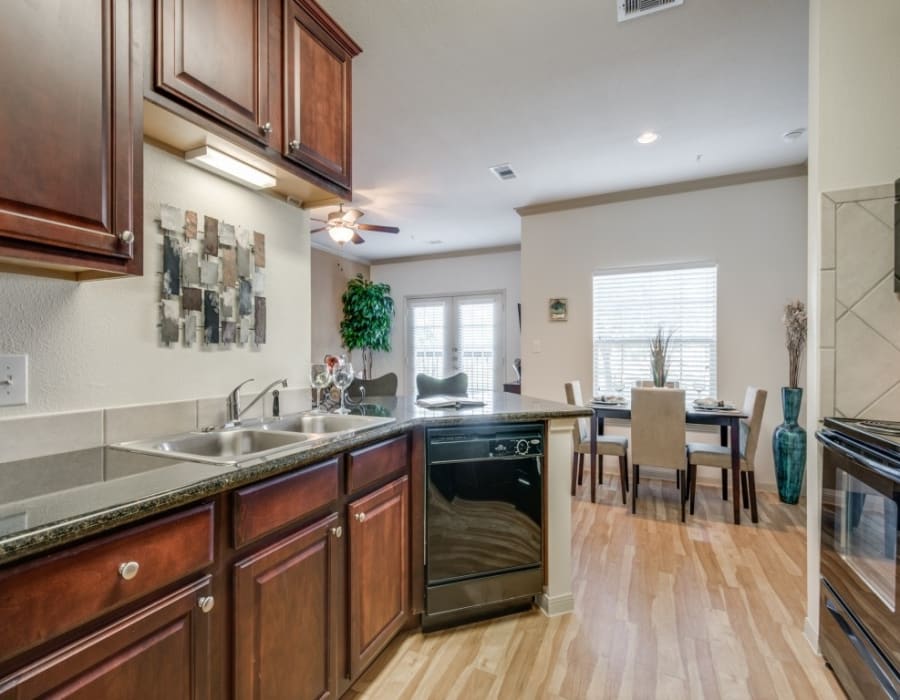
point(705, 609)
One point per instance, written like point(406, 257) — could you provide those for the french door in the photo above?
point(446, 335)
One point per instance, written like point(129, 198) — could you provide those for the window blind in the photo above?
point(477, 340)
point(427, 337)
point(631, 305)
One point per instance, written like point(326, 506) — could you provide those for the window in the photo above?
point(446, 335)
point(631, 305)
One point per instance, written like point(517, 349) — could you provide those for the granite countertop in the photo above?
point(133, 486)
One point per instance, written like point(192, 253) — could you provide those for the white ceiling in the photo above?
point(444, 89)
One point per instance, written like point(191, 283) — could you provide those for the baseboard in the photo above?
point(557, 605)
point(811, 635)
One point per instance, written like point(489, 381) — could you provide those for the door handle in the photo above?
point(861, 649)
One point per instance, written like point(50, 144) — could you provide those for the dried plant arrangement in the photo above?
point(795, 339)
point(659, 360)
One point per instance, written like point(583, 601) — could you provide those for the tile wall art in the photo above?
point(213, 281)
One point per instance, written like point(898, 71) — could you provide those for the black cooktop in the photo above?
point(884, 434)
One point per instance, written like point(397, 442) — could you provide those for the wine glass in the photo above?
point(320, 378)
point(343, 378)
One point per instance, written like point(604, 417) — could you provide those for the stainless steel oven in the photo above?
point(859, 620)
point(483, 521)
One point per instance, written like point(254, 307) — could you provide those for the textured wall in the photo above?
point(95, 344)
point(756, 233)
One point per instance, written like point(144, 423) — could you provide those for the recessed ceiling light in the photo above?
point(647, 137)
point(793, 134)
point(503, 171)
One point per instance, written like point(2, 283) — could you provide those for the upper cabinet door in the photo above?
point(317, 126)
point(213, 54)
point(70, 134)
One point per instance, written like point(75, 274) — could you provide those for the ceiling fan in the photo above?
point(342, 226)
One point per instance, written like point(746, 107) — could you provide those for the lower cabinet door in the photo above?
point(286, 616)
point(378, 572)
point(160, 652)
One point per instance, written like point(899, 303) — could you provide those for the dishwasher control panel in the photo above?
point(484, 442)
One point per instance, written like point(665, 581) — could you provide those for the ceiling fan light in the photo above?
point(340, 234)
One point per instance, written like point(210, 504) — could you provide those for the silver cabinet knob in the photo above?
point(337, 531)
point(129, 569)
point(266, 128)
point(126, 236)
point(360, 517)
point(206, 603)
point(294, 145)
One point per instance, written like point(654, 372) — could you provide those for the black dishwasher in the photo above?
point(483, 521)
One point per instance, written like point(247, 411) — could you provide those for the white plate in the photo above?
point(713, 409)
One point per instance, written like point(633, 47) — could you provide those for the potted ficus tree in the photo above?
point(368, 315)
point(789, 438)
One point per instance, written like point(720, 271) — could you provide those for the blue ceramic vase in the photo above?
point(789, 448)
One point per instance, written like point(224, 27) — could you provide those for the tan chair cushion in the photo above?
point(606, 445)
point(706, 454)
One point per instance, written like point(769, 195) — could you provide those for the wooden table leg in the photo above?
point(736, 468)
point(596, 425)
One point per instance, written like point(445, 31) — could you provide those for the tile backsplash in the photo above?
point(859, 351)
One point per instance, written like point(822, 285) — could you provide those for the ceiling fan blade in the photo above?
point(383, 229)
point(321, 221)
point(316, 230)
point(353, 215)
point(357, 239)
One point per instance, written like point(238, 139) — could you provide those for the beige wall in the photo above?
point(330, 274)
point(95, 344)
point(854, 99)
point(755, 233)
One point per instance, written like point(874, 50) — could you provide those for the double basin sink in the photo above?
point(240, 445)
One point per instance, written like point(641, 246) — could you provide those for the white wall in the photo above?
point(95, 344)
point(756, 233)
point(854, 99)
point(446, 276)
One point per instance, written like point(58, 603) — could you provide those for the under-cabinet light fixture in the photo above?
point(229, 167)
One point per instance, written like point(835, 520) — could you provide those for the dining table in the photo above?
point(728, 420)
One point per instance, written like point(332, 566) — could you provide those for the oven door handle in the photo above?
point(857, 458)
point(861, 649)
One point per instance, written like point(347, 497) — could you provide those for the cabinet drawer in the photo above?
point(263, 508)
point(45, 598)
point(371, 464)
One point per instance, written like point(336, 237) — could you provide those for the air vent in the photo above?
point(629, 9)
point(504, 171)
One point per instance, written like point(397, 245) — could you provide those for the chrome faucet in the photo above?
point(233, 402)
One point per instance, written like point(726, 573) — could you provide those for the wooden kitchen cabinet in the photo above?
point(213, 55)
point(378, 570)
point(70, 135)
point(287, 613)
point(161, 651)
point(317, 82)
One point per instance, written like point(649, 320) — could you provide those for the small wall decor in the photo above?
point(559, 309)
point(212, 280)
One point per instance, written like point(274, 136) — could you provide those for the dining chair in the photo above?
point(385, 385)
point(455, 385)
point(658, 436)
point(709, 455)
point(612, 445)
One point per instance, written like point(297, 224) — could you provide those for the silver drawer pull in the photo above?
point(126, 237)
point(337, 531)
point(294, 144)
point(360, 517)
point(129, 569)
point(206, 603)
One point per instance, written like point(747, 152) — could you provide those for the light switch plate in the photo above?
point(13, 380)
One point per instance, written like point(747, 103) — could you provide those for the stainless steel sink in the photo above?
point(325, 423)
point(221, 447)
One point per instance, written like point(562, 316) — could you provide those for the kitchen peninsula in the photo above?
point(215, 565)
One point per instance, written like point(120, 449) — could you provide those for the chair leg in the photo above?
point(724, 484)
point(580, 468)
point(600, 468)
point(634, 489)
point(754, 515)
point(637, 474)
point(745, 496)
point(625, 460)
point(678, 479)
point(623, 477)
point(683, 491)
point(574, 471)
point(594, 477)
point(692, 477)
